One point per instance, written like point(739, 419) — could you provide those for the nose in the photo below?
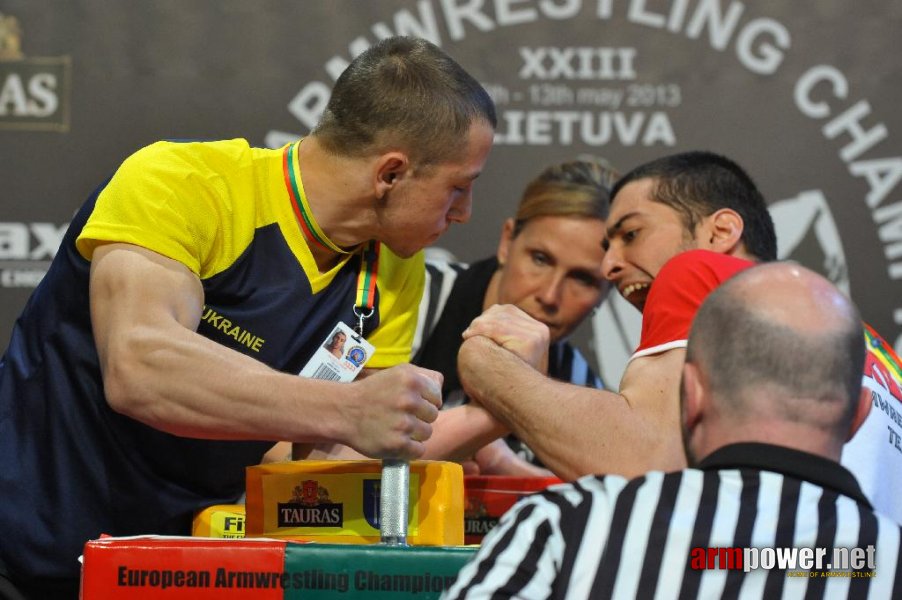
point(461, 209)
point(549, 293)
point(611, 264)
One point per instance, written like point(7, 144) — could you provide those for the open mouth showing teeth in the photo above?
point(633, 288)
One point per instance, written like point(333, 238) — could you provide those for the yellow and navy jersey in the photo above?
point(71, 468)
point(223, 210)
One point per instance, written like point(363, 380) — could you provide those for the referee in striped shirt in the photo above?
point(771, 391)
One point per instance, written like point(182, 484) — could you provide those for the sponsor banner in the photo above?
point(343, 504)
point(339, 501)
point(155, 567)
point(487, 497)
point(34, 94)
point(804, 95)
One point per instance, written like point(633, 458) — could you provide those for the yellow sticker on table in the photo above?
point(220, 521)
point(329, 504)
point(228, 524)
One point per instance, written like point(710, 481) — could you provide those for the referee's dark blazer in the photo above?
point(609, 537)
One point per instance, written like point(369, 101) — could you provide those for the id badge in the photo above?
point(340, 357)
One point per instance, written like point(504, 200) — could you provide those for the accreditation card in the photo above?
point(340, 357)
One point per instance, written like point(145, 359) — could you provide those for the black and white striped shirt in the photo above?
point(609, 537)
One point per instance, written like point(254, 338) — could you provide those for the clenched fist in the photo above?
point(515, 331)
point(392, 410)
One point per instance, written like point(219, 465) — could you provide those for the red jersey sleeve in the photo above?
point(676, 294)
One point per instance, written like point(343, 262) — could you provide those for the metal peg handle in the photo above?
point(394, 497)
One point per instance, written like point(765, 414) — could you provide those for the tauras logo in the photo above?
point(10, 38)
point(34, 92)
point(294, 515)
point(477, 521)
point(310, 506)
point(479, 525)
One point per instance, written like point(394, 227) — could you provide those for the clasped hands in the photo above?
point(512, 329)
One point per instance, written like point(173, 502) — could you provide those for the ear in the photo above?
point(507, 236)
point(861, 411)
point(723, 230)
point(391, 167)
point(693, 397)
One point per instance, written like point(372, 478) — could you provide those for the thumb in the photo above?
point(432, 383)
point(437, 378)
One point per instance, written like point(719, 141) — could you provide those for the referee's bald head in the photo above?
point(778, 349)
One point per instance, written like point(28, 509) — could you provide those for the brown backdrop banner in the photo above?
point(805, 95)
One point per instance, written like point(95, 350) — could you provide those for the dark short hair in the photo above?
point(404, 92)
point(697, 184)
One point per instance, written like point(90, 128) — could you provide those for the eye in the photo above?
point(462, 189)
point(586, 280)
point(540, 258)
point(630, 235)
